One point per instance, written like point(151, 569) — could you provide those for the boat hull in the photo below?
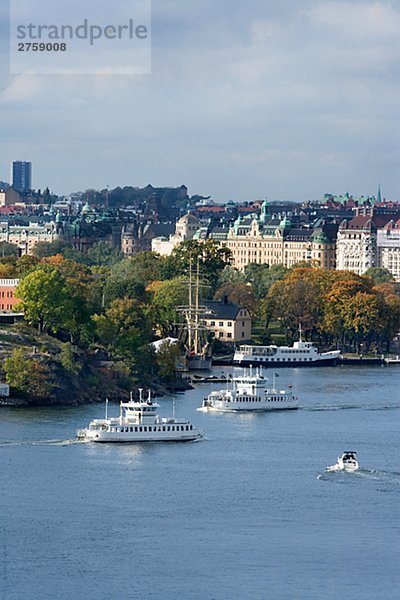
point(198, 363)
point(255, 361)
point(123, 438)
point(246, 409)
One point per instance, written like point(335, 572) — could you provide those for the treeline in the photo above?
point(337, 307)
point(106, 304)
point(101, 302)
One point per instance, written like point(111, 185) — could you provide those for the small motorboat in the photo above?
point(347, 462)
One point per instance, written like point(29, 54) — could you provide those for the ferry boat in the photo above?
point(300, 354)
point(249, 392)
point(346, 462)
point(139, 422)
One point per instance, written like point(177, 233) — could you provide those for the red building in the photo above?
point(8, 298)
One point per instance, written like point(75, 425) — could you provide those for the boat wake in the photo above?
point(335, 407)
point(335, 473)
point(11, 443)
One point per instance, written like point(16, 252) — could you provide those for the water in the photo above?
point(247, 513)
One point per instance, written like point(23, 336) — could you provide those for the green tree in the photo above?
point(7, 249)
point(379, 275)
point(43, 249)
point(102, 254)
point(68, 359)
point(124, 328)
point(263, 277)
point(27, 376)
point(45, 299)
point(211, 256)
point(167, 296)
point(167, 358)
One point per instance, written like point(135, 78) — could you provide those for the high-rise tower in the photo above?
point(22, 176)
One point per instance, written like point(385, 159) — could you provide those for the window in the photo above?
point(229, 324)
point(220, 334)
point(228, 335)
point(221, 323)
point(212, 323)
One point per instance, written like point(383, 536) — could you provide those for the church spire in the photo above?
point(379, 197)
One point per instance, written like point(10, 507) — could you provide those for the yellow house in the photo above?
point(228, 322)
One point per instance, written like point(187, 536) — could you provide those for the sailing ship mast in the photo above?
point(198, 350)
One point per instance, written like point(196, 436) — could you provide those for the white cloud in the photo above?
point(357, 19)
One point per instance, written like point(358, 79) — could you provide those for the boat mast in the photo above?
point(196, 310)
point(189, 313)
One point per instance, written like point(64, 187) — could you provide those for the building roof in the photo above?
point(223, 309)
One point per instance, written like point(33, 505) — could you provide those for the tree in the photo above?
point(167, 357)
point(7, 249)
point(166, 297)
point(27, 376)
point(211, 256)
point(240, 294)
point(45, 299)
point(124, 328)
point(43, 249)
point(262, 277)
point(102, 254)
point(379, 275)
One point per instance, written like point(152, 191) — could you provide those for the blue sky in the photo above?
point(286, 99)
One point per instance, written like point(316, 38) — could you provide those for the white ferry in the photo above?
point(249, 393)
point(300, 354)
point(138, 422)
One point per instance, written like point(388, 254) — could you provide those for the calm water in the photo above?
point(247, 513)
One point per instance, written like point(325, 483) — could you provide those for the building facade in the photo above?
point(25, 237)
point(388, 248)
point(369, 240)
point(8, 297)
point(228, 322)
point(185, 229)
point(277, 241)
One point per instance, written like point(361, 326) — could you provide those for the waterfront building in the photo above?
point(275, 239)
point(22, 176)
point(388, 247)
point(228, 322)
point(357, 246)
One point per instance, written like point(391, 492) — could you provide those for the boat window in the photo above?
point(163, 428)
point(140, 428)
point(131, 429)
point(191, 427)
point(168, 428)
point(187, 427)
point(136, 429)
point(173, 428)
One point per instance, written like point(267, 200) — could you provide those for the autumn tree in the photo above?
point(27, 376)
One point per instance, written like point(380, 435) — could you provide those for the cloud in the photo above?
point(287, 99)
point(372, 20)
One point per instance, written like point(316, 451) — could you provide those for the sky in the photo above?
point(287, 100)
